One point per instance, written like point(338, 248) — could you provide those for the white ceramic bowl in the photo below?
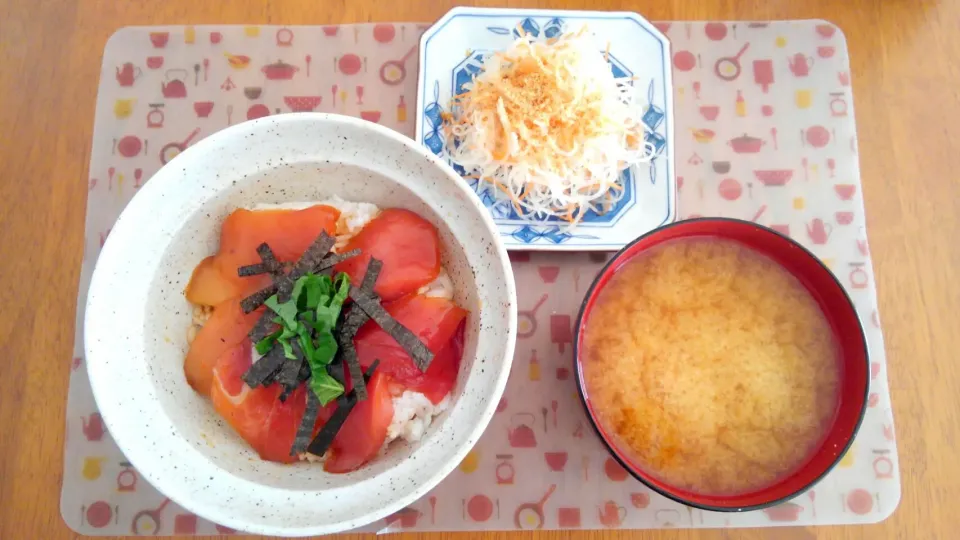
point(137, 316)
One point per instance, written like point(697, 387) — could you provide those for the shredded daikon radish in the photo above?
point(549, 127)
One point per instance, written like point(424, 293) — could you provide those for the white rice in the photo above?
point(412, 415)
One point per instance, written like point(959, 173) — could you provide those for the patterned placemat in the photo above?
point(765, 131)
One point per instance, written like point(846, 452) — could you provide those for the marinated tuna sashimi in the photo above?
point(408, 246)
point(287, 232)
point(365, 430)
point(294, 321)
point(435, 321)
point(258, 416)
point(227, 327)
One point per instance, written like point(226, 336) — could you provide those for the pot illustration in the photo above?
point(611, 514)
point(93, 427)
point(174, 87)
point(521, 433)
point(279, 70)
point(819, 231)
point(800, 65)
point(784, 512)
point(746, 144)
point(127, 73)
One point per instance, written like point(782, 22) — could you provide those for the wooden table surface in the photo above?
point(905, 79)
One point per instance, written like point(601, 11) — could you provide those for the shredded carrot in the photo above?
point(549, 124)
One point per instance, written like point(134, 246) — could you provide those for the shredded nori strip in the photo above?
point(268, 265)
point(334, 259)
point(267, 256)
point(352, 322)
point(371, 275)
point(305, 431)
point(290, 372)
point(304, 373)
point(421, 355)
point(308, 261)
point(263, 327)
point(257, 299)
point(335, 368)
point(353, 364)
point(253, 270)
point(345, 404)
point(263, 370)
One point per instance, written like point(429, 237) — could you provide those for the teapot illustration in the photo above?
point(93, 427)
point(611, 514)
point(127, 73)
point(800, 65)
point(174, 87)
point(819, 231)
point(521, 433)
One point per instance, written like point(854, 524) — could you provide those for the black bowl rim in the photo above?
point(593, 422)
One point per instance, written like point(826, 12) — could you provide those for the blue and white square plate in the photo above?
point(453, 50)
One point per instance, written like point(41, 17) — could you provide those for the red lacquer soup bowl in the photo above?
point(840, 314)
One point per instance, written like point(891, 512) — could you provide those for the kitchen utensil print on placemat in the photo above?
point(530, 515)
point(776, 146)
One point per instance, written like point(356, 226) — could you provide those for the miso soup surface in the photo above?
point(712, 367)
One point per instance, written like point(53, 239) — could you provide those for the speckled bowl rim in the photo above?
point(127, 427)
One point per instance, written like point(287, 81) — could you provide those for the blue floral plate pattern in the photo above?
point(452, 52)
